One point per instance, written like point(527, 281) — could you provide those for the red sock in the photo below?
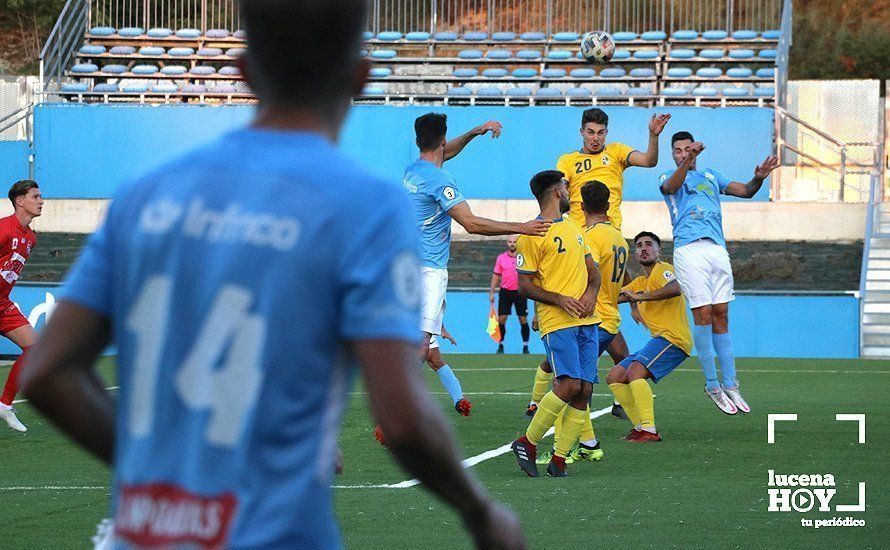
point(12, 383)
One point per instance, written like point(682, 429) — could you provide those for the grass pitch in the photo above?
point(704, 486)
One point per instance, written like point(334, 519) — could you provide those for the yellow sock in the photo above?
point(542, 382)
point(569, 430)
point(549, 408)
point(557, 426)
point(587, 433)
point(645, 403)
point(625, 398)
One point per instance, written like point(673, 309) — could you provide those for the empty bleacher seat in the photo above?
point(646, 55)
point(188, 33)
point(766, 72)
point(559, 55)
point(498, 54)
point(709, 72)
point(621, 54)
point(641, 90)
point(180, 52)
point(389, 36)
point(84, 68)
point(217, 33)
point(91, 49)
point(653, 36)
point(114, 69)
point(687, 34)
point(135, 88)
point(383, 54)
point(767, 54)
point(106, 88)
point(144, 69)
point(771, 35)
point(373, 90)
point(206, 70)
point(711, 54)
point(532, 36)
point(131, 32)
point(367, 35)
point(548, 92)
point(503, 36)
point(465, 73)
point(223, 89)
point(194, 89)
point(704, 91)
point(716, 34)
point(489, 91)
point(102, 31)
point(470, 54)
point(528, 55)
point(553, 73)
point(160, 32)
point(495, 73)
point(624, 36)
point(475, 36)
point(642, 72)
point(766, 91)
point(209, 52)
point(578, 92)
point(743, 53)
point(446, 36)
point(151, 50)
point(122, 50)
point(417, 36)
point(460, 91)
point(519, 92)
point(681, 53)
point(744, 34)
point(566, 37)
point(75, 87)
point(230, 70)
point(380, 72)
point(174, 70)
point(524, 73)
point(739, 72)
point(235, 52)
point(613, 72)
point(674, 91)
point(609, 91)
point(583, 73)
point(165, 88)
point(679, 72)
point(735, 92)
point(239, 34)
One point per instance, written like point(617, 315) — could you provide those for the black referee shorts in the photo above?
point(508, 299)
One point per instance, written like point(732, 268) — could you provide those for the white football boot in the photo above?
point(8, 416)
point(736, 397)
point(722, 401)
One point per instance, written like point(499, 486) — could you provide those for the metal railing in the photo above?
point(19, 116)
point(172, 14)
point(63, 41)
point(782, 57)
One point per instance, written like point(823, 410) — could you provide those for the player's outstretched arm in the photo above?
point(61, 383)
point(761, 172)
point(476, 225)
point(456, 145)
point(673, 183)
point(532, 291)
point(650, 158)
point(421, 441)
point(668, 291)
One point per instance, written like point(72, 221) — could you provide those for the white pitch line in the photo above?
point(17, 401)
point(485, 393)
point(55, 488)
point(467, 462)
point(741, 371)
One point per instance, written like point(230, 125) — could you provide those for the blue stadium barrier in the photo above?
point(14, 161)
point(87, 151)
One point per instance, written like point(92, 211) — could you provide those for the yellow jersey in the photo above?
point(557, 261)
point(665, 318)
point(607, 167)
point(609, 250)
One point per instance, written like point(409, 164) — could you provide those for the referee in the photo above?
point(508, 297)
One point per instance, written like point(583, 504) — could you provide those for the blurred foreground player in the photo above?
point(225, 430)
point(16, 242)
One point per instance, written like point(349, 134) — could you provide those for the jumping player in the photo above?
point(16, 242)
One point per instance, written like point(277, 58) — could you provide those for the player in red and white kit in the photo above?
point(16, 242)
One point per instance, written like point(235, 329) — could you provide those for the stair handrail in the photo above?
point(57, 52)
point(10, 120)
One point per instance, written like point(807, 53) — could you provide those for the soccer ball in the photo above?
point(597, 47)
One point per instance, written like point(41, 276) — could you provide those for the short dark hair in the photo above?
point(597, 116)
point(21, 188)
point(680, 136)
point(595, 197)
point(649, 234)
point(542, 181)
point(302, 52)
point(430, 130)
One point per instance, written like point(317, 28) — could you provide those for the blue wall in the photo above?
point(762, 326)
point(86, 151)
point(14, 164)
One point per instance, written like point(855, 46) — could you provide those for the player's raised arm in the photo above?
point(650, 158)
point(476, 225)
point(685, 153)
point(761, 172)
point(455, 146)
point(421, 441)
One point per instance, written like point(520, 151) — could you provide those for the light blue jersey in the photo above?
point(695, 207)
point(433, 193)
point(234, 279)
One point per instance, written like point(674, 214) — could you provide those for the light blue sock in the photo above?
point(723, 347)
point(451, 383)
point(704, 347)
